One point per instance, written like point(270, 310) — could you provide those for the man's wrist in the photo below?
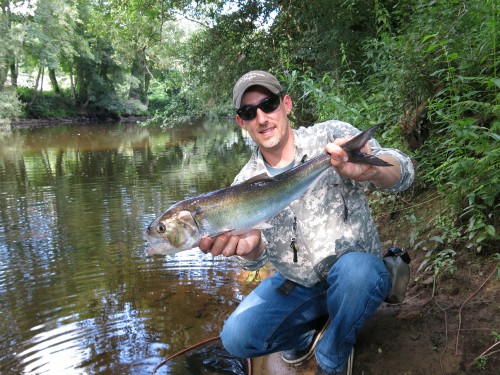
point(386, 177)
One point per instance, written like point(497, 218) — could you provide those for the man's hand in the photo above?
point(248, 245)
point(383, 177)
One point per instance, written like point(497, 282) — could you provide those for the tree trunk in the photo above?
point(147, 82)
point(82, 77)
point(3, 75)
point(41, 77)
point(4, 66)
point(138, 70)
point(38, 77)
point(73, 96)
point(13, 74)
point(53, 80)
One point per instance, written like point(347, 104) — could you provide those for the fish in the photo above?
point(248, 205)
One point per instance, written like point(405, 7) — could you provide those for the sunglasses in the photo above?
point(267, 105)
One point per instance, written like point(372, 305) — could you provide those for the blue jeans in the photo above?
point(268, 321)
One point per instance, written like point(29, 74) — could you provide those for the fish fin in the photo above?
point(360, 139)
point(259, 178)
point(354, 145)
point(303, 160)
point(357, 156)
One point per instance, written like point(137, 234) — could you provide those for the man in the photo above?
point(324, 246)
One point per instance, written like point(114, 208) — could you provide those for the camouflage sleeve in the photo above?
point(407, 170)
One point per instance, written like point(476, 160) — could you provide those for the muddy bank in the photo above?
point(34, 123)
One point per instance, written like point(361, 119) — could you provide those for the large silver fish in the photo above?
point(245, 206)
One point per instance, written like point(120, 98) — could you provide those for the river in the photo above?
point(77, 293)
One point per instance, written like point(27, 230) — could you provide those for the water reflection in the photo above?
point(77, 293)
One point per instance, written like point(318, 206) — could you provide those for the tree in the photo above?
point(11, 31)
point(51, 36)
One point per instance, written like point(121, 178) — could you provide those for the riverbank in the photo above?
point(449, 322)
point(34, 123)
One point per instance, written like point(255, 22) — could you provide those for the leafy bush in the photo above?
point(10, 106)
point(46, 104)
point(461, 156)
point(437, 76)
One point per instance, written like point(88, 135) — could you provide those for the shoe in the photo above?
point(347, 369)
point(298, 357)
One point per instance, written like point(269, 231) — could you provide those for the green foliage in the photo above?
point(46, 104)
point(465, 167)
point(461, 155)
point(435, 75)
point(175, 111)
point(327, 98)
point(10, 106)
point(220, 53)
point(496, 336)
point(437, 259)
point(57, 42)
point(481, 361)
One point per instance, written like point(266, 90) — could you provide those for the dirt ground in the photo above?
point(441, 335)
point(450, 326)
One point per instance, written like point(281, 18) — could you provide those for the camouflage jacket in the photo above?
point(329, 220)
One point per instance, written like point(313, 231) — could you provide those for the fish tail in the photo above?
point(354, 145)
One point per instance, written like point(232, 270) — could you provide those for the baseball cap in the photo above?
point(254, 78)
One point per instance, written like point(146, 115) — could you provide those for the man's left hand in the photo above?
point(383, 177)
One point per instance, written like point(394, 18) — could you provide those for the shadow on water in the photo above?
point(78, 295)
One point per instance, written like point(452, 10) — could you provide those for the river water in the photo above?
point(77, 293)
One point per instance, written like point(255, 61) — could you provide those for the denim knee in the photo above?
point(237, 340)
point(360, 270)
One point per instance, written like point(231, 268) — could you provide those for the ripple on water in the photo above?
point(73, 345)
point(53, 351)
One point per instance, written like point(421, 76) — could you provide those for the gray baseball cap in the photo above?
point(254, 78)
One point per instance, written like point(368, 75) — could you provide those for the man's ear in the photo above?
point(287, 100)
point(240, 122)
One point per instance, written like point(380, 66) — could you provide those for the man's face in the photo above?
point(269, 130)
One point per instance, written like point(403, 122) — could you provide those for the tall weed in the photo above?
point(465, 159)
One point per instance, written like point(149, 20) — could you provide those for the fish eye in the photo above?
point(161, 228)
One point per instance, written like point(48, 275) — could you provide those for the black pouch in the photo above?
point(397, 262)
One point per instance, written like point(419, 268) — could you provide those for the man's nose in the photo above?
point(261, 116)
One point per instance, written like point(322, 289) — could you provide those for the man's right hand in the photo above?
point(248, 245)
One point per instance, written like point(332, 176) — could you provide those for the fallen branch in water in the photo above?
point(182, 352)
